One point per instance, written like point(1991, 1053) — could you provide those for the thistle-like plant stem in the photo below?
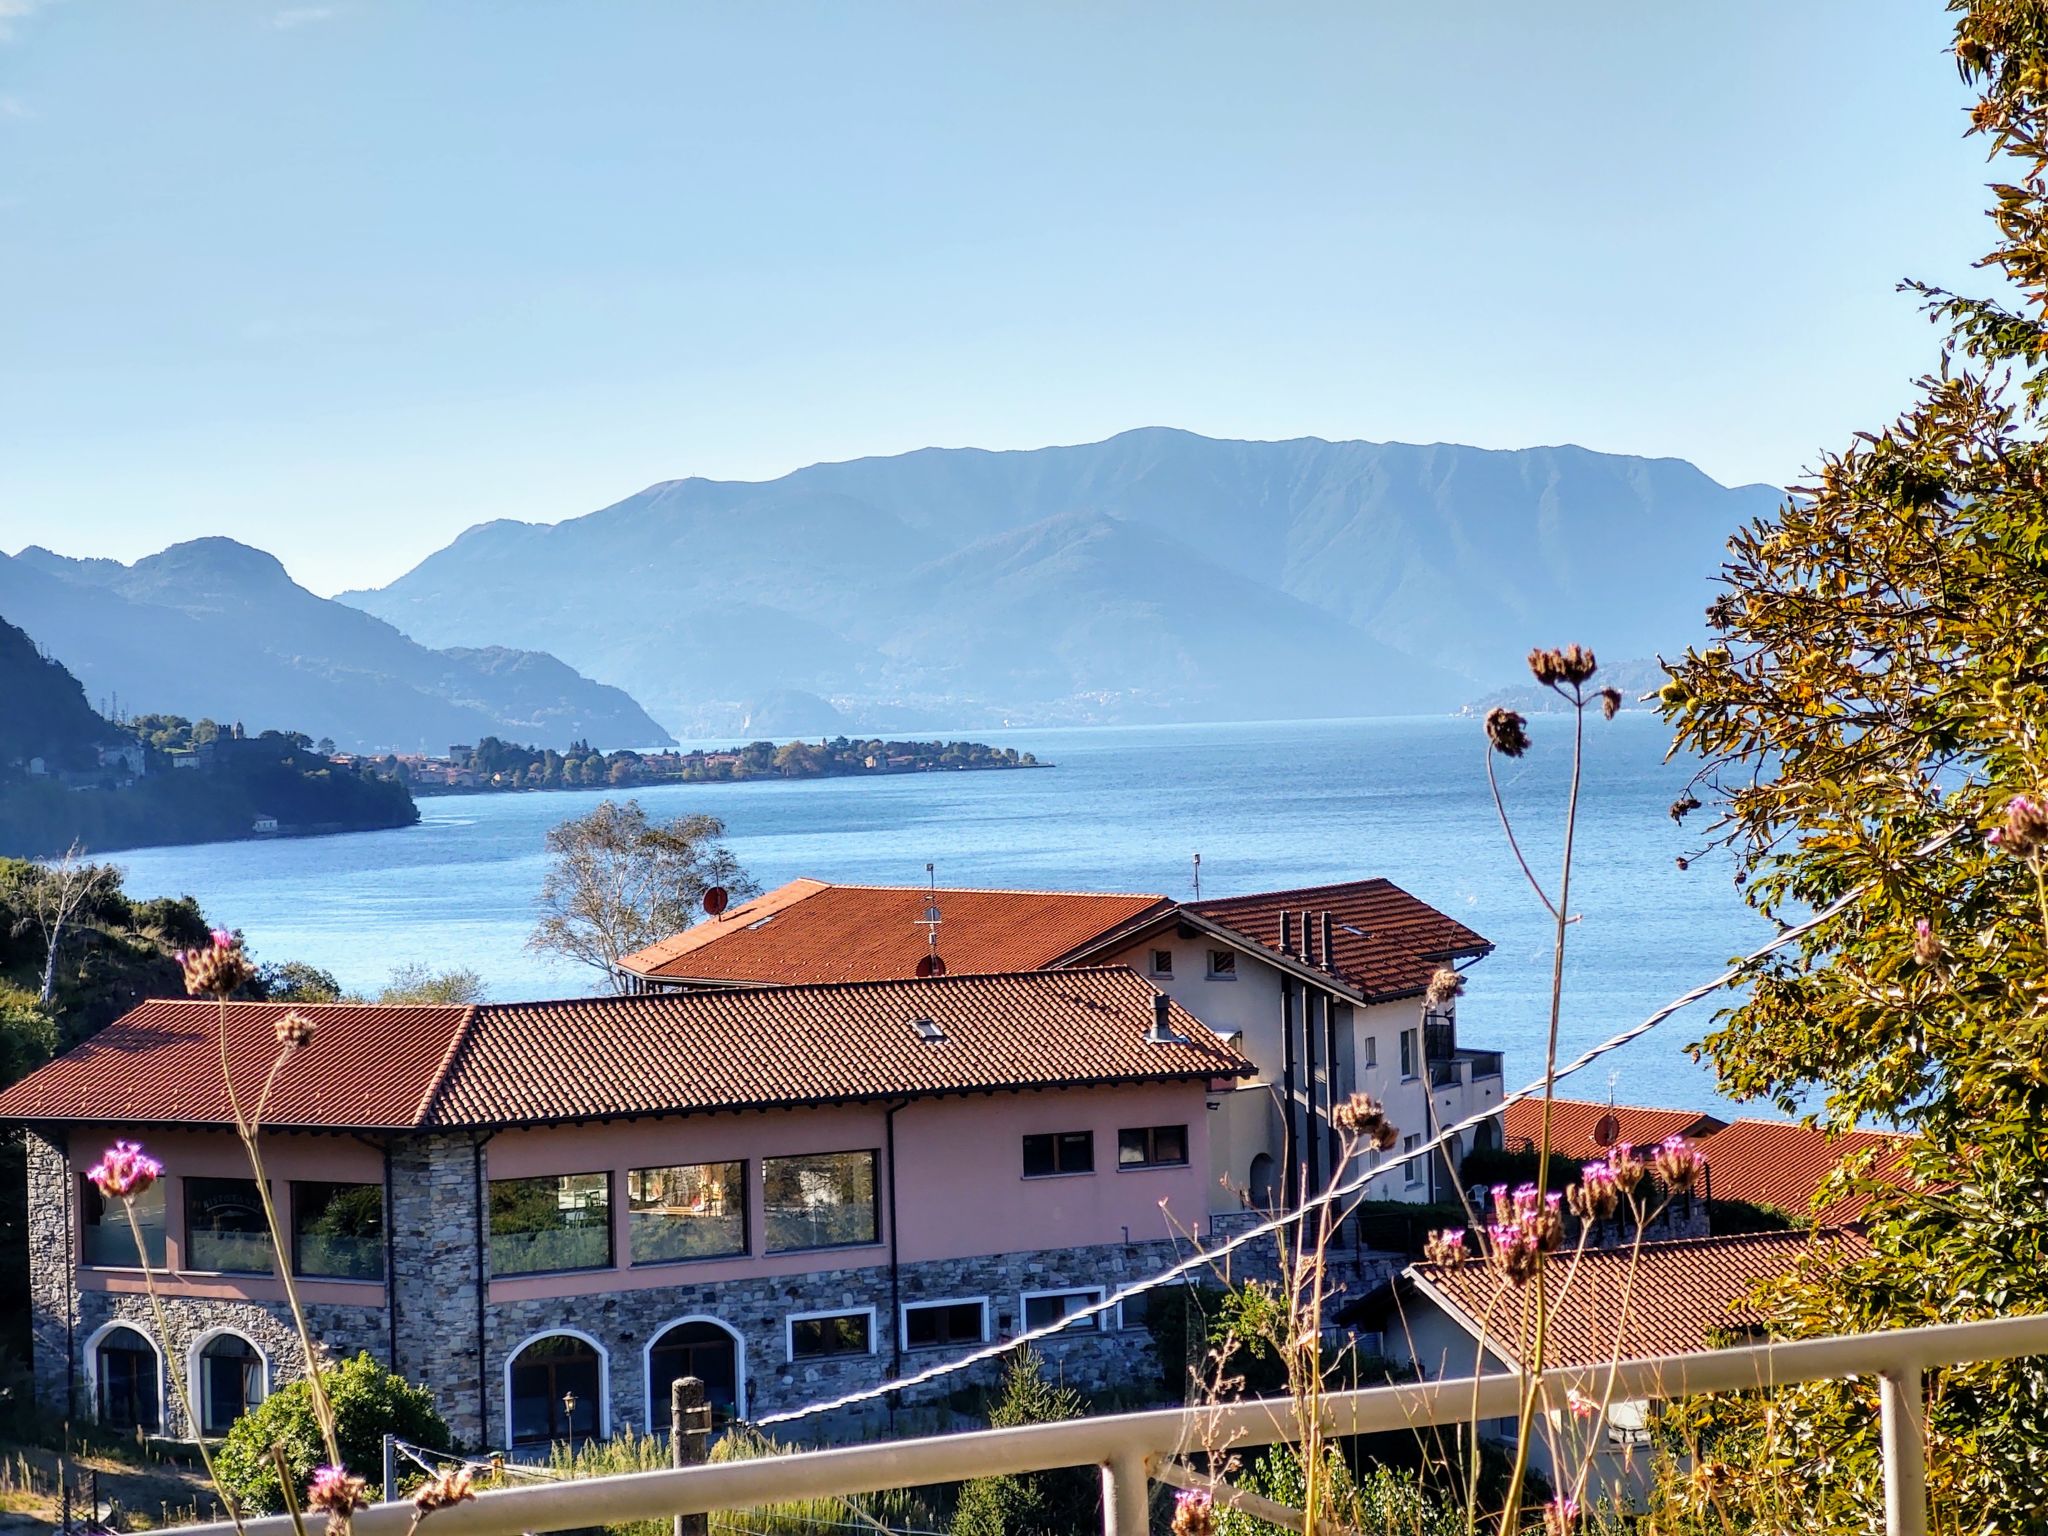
point(178, 1383)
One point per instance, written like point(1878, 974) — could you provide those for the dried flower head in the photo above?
point(1359, 1115)
point(1596, 1197)
point(1572, 664)
point(1384, 1138)
point(216, 969)
point(1507, 731)
point(447, 1487)
point(1443, 986)
point(1626, 1167)
point(1926, 943)
point(1560, 1515)
point(332, 1490)
point(1610, 703)
point(124, 1170)
point(294, 1030)
point(1678, 1163)
point(1511, 1248)
point(1683, 806)
point(1194, 1513)
point(1446, 1247)
point(2024, 828)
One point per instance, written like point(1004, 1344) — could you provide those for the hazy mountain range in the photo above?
point(1156, 575)
point(215, 628)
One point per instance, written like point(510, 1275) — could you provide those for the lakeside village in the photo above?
point(835, 1135)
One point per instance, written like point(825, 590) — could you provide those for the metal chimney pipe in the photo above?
point(1286, 933)
point(1162, 1028)
point(1329, 945)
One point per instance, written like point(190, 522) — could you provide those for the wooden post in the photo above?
point(689, 1433)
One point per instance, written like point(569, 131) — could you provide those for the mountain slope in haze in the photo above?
point(46, 716)
point(215, 628)
point(1154, 574)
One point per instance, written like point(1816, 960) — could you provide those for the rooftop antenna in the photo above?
point(931, 965)
point(1198, 877)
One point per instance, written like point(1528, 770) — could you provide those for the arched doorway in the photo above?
point(126, 1378)
point(1484, 1136)
point(1263, 1191)
point(700, 1347)
point(230, 1372)
point(554, 1390)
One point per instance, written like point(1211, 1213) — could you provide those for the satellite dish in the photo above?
point(1608, 1131)
point(930, 966)
point(715, 900)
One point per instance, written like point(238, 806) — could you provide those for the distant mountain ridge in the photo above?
point(214, 628)
point(1155, 575)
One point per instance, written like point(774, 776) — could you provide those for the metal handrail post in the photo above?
point(1902, 1405)
point(1126, 1495)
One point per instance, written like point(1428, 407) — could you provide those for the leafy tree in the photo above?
point(1875, 707)
point(618, 881)
point(296, 981)
point(369, 1403)
point(419, 984)
point(1032, 1503)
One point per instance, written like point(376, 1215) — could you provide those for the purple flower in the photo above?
point(124, 1170)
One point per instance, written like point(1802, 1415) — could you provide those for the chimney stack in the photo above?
point(1329, 945)
point(1286, 933)
point(1308, 940)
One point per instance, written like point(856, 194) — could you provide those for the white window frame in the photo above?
point(908, 1307)
point(1099, 1323)
point(198, 1381)
point(1411, 1168)
point(604, 1375)
point(1152, 963)
point(1411, 1051)
point(1217, 973)
point(1371, 1058)
point(91, 1354)
point(739, 1362)
point(790, 1321)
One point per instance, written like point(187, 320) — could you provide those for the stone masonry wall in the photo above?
point(434, 1228)
point(50, 1270)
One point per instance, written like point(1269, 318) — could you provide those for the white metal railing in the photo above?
point(1130, 1448)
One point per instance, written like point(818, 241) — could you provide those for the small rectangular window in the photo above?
point(1408, 1053)
point(1152, 1146)
point(1043, 1308)
point(338, 1230)
point(821, 1201)
point(105, 1236)
point(551, 1223)
point(226, 1231)
point(1372, 1051)
point(687, 1211)
point(1162, 962)
point(934, 1324)
point(1223, 964)
point(837, 1333)
point(1054, 1152)
point(1411, 1169)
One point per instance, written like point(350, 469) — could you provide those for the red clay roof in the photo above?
point(1575, 1123)
point(1681, 1293)
point(382, 1068)
point(368, 1067)
point(1773, 1163)
point(809, 931)
point(1387, 942)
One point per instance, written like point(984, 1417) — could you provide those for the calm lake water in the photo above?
point(1266, 805)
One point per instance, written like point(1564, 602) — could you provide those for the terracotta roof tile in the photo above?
point(594, 1058)
point(367, 1068)
point(809, 931)
point(1681, 1293)
point(1387, 942)
point(1575, 1125)
point(1773, 1163)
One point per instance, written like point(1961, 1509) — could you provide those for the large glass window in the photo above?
point(1152, 1146)
point(822, 1201)
point(556, 1382)
point(841, 1333)
point(125, 1382)
point(230, 1382)
point(225, 1231)
point(688, 1211)
point(1051, 1152)
point(104, 1233)
point(557, 1221)
point(1043, 1308)
point(700, 1349)
point(338, 1230)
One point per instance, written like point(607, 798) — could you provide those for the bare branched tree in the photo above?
point(618, 881)
point(60, 891)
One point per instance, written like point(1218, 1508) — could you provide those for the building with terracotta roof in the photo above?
point(548, 1211)
point(1320, 987)
point(1583, 1129)
point(1627, 1302)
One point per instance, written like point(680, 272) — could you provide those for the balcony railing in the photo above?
point(1131, 1449)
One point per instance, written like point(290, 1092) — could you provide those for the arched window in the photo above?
point(230, 1372)
point(1263, 1191)
point(125, 1389)
point(1484, 1137)
point(701, 1348)
point(555, 1386)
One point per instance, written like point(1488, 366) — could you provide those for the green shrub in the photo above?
point(369, 1403)
point(1495, 1165)
point(1377, 1502)
point(1725, 1218)
point(1057, 1503)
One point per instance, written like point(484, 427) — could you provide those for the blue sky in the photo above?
point(341, 280)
